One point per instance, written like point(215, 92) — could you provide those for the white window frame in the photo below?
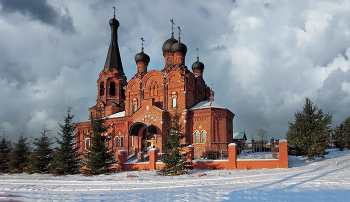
point(116, 141)
point(87, 143)
point(121, 141)
point(203, 136)
point(196, 137)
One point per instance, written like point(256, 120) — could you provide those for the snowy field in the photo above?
point(322, 180)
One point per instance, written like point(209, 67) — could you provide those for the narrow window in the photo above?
point(173, 99)
point(87, 143)
point(134, 108)
point(196, 137)
point(174, 102)
point(134, 105)
point(121, 141)
point(102, 89)
point(112, 89)
point(116, 140)
point(168, 61)
point(204, 136)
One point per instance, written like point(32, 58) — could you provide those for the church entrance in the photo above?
point(146, 134)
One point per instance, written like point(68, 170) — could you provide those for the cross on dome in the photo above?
point(142, 44)
point(114, 11)
point(172, 27)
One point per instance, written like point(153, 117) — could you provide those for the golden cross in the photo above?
point(142, 43)
point(179, 32)
point(172, 27)
point(114, 11)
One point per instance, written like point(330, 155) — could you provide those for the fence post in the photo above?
point(272, 145)
point(232, 156)
point(253, 146)
point(189, 153)
point(153, 157)
point(283, 153)
point(121, 159)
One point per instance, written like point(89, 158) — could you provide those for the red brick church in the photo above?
point(138, 110)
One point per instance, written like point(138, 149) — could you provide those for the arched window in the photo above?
point(112, 89)
point(168, 61)
point(87, 143)
point(153, 90)
point(203, 136)
point(196, 137)
point(121, 141)
point(173, 100)
point(116, 141)
point(134, 105)
point(102, 89)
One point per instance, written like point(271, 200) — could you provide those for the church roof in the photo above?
point(207, 104)
point(238, 136)
point(113, 59)
point(116, 115)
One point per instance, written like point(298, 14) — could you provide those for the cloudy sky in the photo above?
point(262, 57)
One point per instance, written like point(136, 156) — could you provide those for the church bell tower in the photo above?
point(112, 80)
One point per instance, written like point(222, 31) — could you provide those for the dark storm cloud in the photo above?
point(16, 74)
point(40, 10)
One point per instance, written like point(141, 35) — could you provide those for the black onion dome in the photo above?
point(179, 47)
point(168, 44)
point(142, 57)
point(113, 22)
point(198, 65)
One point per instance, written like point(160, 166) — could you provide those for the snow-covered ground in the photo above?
point(322, 180)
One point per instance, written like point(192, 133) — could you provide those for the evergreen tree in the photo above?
point(19, 157)
point(341, 135)
point(174, 157)
point(42, 155)
point(310, 133)
point(66, 157)
point(5, 150)
point(98, 157)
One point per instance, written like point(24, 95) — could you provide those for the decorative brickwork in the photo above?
point(145, 103)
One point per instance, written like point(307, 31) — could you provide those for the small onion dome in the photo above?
point(113, 22)
point(179, 47)
point(197, 65)
point(168, 44)
point(142, 57)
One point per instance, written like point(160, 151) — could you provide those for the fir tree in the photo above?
point(310, 133)
point(19, 157)
point(42, 155)
point(5, 150)
point(341, 135)
point(174, 157)
point(66, 157)
point(98, 157)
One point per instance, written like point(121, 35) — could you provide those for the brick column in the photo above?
point(283, 151)
point(153, 157)
point(121, 159)
point(232, 156)
point(190, 153)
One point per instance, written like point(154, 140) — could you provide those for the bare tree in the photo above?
point(261, 135)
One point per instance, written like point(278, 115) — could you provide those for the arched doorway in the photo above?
point(146, 134)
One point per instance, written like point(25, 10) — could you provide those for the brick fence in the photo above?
point(231, 163)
